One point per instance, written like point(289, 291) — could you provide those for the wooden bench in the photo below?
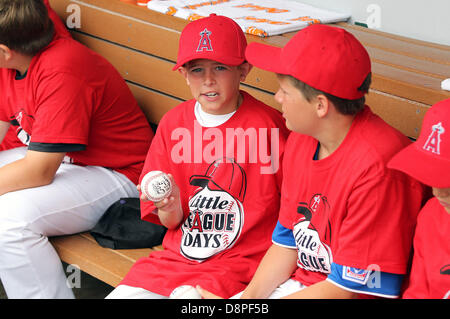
point(142, 45)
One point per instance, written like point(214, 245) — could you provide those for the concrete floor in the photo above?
point(90, 288)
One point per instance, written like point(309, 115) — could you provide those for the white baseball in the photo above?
point(185, 292)
point(156, 185)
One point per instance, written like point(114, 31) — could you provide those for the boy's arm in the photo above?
point(276, 267)
point(4, 126)
point(35, 169)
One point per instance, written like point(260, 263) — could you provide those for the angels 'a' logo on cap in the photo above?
point(433, 142)
point(205, 41)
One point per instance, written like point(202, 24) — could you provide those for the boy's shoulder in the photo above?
point(65, 54)
point(381, 139)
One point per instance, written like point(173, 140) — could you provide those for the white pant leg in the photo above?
point(129, 292)
point(72, 203)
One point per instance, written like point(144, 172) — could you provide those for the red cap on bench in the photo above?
point(216, 38)
point(327, 58)
point(428, 158)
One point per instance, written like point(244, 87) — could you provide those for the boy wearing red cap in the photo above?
point(346, 221)
point(226, 195)
point(428, 160)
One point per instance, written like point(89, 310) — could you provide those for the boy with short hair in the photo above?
point(80, 145)
point(223, 150)
point(428, 160)
point(346, 221)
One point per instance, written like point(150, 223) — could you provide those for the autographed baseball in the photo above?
point(185, 292)
point(156, 186)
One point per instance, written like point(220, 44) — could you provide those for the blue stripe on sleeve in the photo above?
point(283, 236)
point(370, 282)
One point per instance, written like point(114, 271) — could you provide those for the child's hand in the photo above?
point(172, 201)
point(206, 294)
point(173, 196)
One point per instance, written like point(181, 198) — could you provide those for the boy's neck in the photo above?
point(21, 63)
point(333, 133)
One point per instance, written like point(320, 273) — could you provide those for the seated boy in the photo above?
point(346, 221)
point(428, 160)
point(223, 150)
point(80, 145)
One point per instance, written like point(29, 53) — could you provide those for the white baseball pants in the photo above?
point(128, 292)
point(74, 202)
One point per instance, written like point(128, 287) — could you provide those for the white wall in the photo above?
point(427, 20)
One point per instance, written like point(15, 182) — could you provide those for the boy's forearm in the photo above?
point(276, 267)
point(32, 171)
point(171, 215)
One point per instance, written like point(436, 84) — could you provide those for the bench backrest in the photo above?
point(142, 45)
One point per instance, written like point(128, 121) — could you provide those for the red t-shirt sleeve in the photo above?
point(380, 214)
point(63, 110)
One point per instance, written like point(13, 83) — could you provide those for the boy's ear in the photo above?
point(183, 72)
point(245, 69)
point(322, 105)
point(5, 52)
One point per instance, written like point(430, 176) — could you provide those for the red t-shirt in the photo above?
point(75, 101)
point(348, 208)
point(11, 140)
point(230, 205)
point(430, 272)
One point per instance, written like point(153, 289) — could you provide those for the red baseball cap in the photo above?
point(225, 175)
point(326, 58)
point(216, 38)
point(428, 158)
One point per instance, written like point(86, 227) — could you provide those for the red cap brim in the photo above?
point(423, 166)
point(265, 57)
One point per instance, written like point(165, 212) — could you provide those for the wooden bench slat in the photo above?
point(413, 86)
point(144, 69)
point(137, 34)
point(105, 264)
point(425, 67)
point(402, 45)
point(161, 41)
point(131, 254)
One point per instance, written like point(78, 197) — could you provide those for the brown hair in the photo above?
point(343, 106)
point(25, 26)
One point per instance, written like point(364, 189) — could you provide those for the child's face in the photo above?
point(297, 111)
point(215, 85)
point(443, 195)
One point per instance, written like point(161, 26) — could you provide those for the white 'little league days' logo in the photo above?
point(313, 253)
point(216, 214)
